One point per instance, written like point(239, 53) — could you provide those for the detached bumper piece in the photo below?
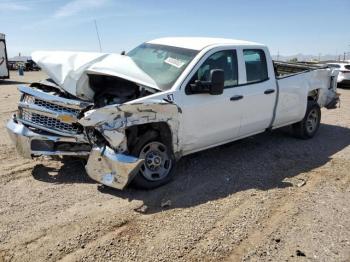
point(112, 169)
point(30, 142)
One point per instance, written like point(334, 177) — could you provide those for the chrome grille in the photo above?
point(48, 122)
point(37, 111)
point(57, 108)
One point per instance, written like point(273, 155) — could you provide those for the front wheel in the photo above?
point(158, 168)
point(308, 127)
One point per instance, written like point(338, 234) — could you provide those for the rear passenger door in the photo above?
point(259, 92)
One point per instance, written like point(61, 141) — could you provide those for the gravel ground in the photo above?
point(267, 198)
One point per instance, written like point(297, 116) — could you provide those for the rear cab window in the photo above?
point(255, 64)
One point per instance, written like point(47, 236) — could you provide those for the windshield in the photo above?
point(163, 64)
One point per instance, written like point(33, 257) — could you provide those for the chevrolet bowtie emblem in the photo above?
point(67, 118)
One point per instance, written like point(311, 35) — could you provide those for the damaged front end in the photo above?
point(46, 124)
point(110, 162)
point(52, 122)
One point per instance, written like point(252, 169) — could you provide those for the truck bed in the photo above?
point(297, 81)
point(286, 69)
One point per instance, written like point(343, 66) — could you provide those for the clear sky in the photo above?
point(298, 26)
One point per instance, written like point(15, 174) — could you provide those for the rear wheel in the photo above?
point(158, 168)
point(308, 127)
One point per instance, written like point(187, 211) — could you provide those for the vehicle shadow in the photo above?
point(261, 162)
point(72, 171)
point(12, 82)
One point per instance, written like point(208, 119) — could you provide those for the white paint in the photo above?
point(66, 68)
point(198, 43)
point(69, 69)
point(112, 120)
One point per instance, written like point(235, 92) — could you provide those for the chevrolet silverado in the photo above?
point(134, 115)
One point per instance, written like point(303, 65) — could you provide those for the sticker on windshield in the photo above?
point(174, 62)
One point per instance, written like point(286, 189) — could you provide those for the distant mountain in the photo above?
point(307, 58)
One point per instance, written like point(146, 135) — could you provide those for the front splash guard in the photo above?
point(112, 169)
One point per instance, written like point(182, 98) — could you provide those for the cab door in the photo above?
point(208, 120)
point(259, 92)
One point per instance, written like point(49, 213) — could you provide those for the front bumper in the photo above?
point(29, 143)
point(112, 169)
point(104, 165)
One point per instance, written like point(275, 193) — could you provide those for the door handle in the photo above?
point(235, 98)
point(269, 91)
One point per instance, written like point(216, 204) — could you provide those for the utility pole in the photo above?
point(98, 36)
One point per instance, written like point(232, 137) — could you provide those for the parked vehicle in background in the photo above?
point(4, 70)
point(135, 115)
point(25, 61)
point(30, 65)
point(344, 73)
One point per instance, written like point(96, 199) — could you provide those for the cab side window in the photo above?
point(255, 65)
point(225, 60)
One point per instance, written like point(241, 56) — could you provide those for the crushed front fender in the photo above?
point(113, 119)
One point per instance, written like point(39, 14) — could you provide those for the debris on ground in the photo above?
point(165, 204)
point(142, 209)
point(300, 253)
point(301, 183)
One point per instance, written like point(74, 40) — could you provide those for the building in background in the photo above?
point(25, 61)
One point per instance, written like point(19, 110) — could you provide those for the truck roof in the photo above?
point(198, 43)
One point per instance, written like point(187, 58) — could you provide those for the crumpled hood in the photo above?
point(69, 69)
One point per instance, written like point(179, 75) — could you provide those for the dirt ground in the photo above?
point(267, 198)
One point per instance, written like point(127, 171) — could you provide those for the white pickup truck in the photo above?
point(134, 115)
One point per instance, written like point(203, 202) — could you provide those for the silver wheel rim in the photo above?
point(312, 121)
point(157, 163)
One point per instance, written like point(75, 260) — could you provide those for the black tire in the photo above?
point(308, 127)
point(140, 180)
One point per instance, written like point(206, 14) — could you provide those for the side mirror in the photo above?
point(217, 82)
point(215, 85)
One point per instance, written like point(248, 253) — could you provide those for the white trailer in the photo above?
point(4, 71)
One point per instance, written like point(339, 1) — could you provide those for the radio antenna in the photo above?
point(98, 36)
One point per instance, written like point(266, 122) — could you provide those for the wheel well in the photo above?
point(313, 95)
point(133, 133)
